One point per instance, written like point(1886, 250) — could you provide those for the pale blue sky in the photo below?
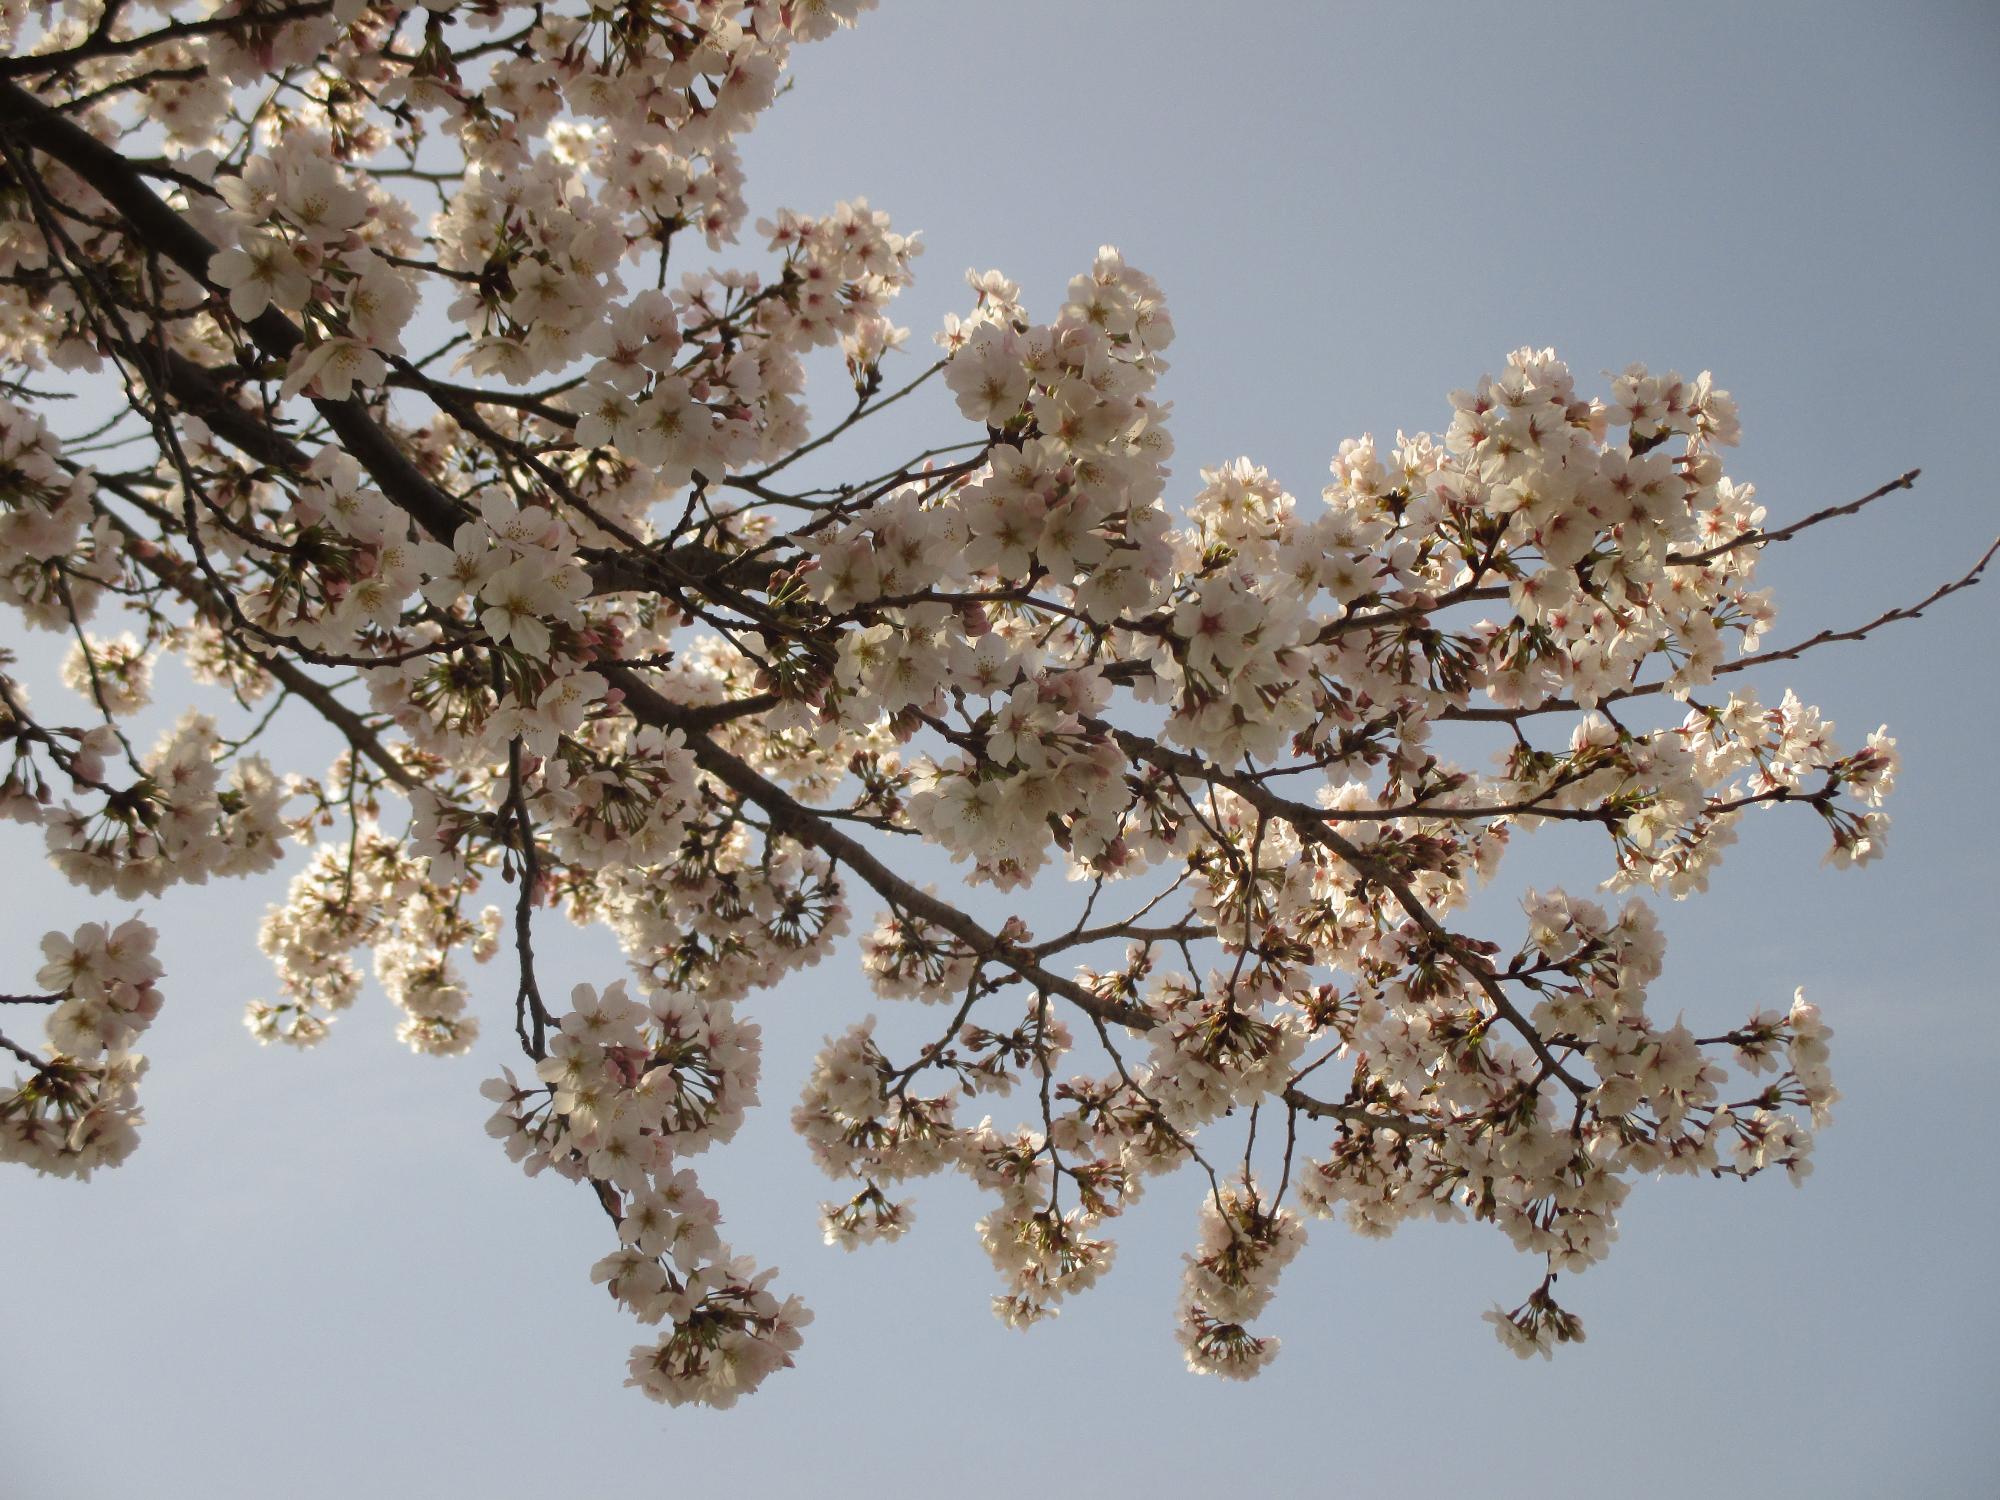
point(318, 1277)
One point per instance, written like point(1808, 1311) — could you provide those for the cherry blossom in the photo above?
point(452, 439)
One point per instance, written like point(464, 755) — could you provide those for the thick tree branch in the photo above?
point(100, 44)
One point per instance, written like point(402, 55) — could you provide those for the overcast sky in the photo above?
point(318, 1277)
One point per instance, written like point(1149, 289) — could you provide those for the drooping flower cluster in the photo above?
point(442, 443)
point(1230, 1281)
point(78, 1109)
point(55, 556)
point(370, 892)
point(625, 1091)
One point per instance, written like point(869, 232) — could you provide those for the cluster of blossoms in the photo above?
point(79, 1109)
point(1230, 1281)
point(55, 555)
point(577, 615)
point(853, 1114)
point(178, 822)
point(626, 1090)
point(116, 674)
point(371, 892)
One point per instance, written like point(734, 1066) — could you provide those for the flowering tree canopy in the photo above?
point(430, 425)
